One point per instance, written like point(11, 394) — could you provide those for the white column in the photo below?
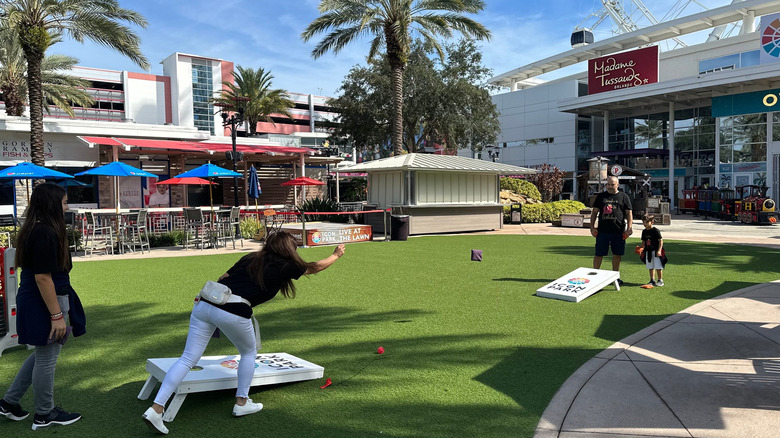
point(338, 197)
point(671, 156)
point(606, 131)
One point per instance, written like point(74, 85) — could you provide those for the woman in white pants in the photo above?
point(256, 278)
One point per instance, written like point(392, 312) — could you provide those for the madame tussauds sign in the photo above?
point(623, 70)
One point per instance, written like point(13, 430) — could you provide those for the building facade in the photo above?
point(706, 119)
point(150, 112)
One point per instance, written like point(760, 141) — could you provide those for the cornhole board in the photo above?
point(579, 284)
point(213, 373)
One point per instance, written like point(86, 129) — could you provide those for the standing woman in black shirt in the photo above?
point(255, 278)
point(46, 303)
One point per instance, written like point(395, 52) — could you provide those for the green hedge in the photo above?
point(521, 187)
point(547, 212)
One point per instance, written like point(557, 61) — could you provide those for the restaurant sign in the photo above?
point(623, 70)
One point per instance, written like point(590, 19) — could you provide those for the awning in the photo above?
point(128, 143)
point(100, 140)
point(163, 144)
point(195, 146)
point(268, 149)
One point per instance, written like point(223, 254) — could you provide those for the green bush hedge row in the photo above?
point(547, 212)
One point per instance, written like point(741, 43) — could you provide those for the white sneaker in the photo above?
point(659, 283)
point(154, 421)
point(249, 408)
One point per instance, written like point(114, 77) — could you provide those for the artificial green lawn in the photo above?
point(469, 350)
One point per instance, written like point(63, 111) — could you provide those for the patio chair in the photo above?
point(97, 237)
point(272, 222)
point(136, 232)
point(197, 230)
point(233, 226)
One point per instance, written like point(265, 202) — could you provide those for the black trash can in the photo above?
point(399, 227)
point(516, 214)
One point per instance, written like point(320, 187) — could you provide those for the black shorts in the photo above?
point(607, 241)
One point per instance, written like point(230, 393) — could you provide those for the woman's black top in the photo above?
point(33, 321)
point(276, 271)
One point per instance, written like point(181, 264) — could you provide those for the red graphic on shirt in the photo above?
point(608, 209)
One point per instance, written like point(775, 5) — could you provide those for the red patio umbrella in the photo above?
point(187, 180)
point(303, 181)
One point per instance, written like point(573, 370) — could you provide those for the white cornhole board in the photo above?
point(579, 284)
point(213, 373)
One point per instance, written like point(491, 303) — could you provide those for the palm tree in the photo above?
point(254, 85)
point(59, 88)
point(391, 23)
point(38, 22)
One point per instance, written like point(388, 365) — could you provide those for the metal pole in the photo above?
point(235, 178)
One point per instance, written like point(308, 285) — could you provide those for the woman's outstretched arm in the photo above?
point(327, 261)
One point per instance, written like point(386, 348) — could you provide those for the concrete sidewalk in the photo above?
point(712, 370)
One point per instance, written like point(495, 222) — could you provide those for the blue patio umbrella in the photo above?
point(117, 169)
point(253, 186)
point(28, 171)
point(209, 171)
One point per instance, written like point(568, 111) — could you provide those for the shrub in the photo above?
point(547, 212)
point(4, 239)
point(250, 226)
point(521, 187)
point(74, 237)
point(322, 205)
point(171, 238)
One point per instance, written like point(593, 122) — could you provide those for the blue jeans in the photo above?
point(204, 320)
point(38, 371)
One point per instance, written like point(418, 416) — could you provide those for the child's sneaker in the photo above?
point(12, 412)
point(659, 283)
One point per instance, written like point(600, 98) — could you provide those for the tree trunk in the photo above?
point(397, 81)
point(35, 91)
point(14, 105)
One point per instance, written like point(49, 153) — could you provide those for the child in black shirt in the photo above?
point(653, 251)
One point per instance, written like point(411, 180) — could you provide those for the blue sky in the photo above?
point(266, 33)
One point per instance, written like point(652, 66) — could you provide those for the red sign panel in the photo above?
point(623, 70)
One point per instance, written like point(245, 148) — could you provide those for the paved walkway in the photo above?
point(712, 370)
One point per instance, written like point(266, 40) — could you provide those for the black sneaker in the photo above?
point(620, 282)
point(56, 416)
point(12, 412)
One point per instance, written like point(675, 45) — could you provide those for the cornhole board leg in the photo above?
point(173, 407)
point(146, 391)
point(213, 373)
point(579, 284)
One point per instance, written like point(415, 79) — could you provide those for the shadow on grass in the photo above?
point(723, 288)
point(757, 259)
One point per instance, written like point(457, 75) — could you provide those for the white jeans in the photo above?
point(204, 320)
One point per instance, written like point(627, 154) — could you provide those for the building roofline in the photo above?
point(642, 37)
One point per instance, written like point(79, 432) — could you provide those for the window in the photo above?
point(202, 91)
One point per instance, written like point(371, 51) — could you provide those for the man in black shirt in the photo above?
point(613, 209)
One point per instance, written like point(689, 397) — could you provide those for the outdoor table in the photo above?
point(214, 373)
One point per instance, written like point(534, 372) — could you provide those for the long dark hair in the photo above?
point(45, 207)
point(280, 244)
